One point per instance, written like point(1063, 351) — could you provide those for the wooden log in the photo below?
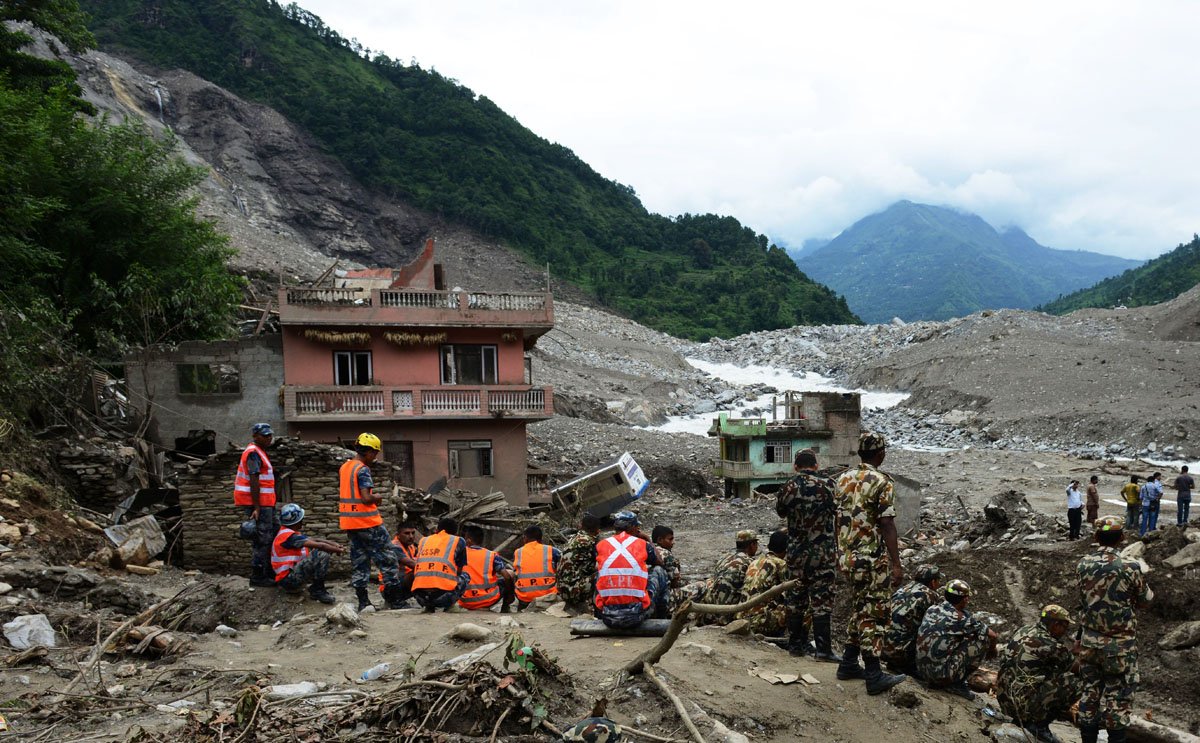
point(596, 628)
point(1142, 730)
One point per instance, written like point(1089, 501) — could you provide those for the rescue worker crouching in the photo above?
point(536, 565)
point(491, 578)
point(358, 516)
point(404, 544)
point(441, 575)
point(630, 585)
point(298, 559)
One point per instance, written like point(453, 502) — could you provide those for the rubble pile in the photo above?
point(103, 472)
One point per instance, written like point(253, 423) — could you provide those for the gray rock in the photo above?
point(1189, 555)
point(1185, 635)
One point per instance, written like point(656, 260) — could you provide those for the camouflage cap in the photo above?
point(870, 441)
point(1109, 523)
point(594, 730)
point(958, 588)
point(1056, 613)
point(746, 535)
point(927, 574)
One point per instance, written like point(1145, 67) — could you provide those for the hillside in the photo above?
point(921, 262)
point(1159, 280)
point(414, 136)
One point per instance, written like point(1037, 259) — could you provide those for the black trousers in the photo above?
point(1075, 519)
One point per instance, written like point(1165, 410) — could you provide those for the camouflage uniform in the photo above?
point(1035, 684)
point(766, 571)
point(1109, 588)
point(865, 495)
point(314, 567)
point(807, 502)
point(950, 644)
point(594, 730)
point(576, 576)
point(726, 588)
point(670, 565)
point(908, 606)
point(373, 544)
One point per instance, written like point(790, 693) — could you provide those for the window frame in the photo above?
point(215, 377)
point(771, 449)
point(485, 464)
point(352, 357)
point(449, 364)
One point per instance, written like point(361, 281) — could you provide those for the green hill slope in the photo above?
point(415, 135)
point(1159, 280)
point(921, 262)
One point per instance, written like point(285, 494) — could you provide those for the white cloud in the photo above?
point(1073, 119)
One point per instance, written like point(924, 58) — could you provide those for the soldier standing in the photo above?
point(907, 608)
point(870, 559)
point(358, 516)
point(1035, 685)
point(806, 501)
point(1111, 588)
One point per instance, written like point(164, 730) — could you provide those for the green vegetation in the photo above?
point(99, 245)
point(413, 134)
point(1159, 280)
point(921, 262)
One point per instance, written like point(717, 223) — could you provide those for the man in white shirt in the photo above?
point(1074, 509)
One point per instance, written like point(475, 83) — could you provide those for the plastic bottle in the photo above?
point(375, 672)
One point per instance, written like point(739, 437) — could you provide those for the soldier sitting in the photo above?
point(730, 577)
point(765, 572)
point(577, 570)
point(907, 608)
point(492, 580)
point(951, 643)
point(441, 575)
point(663, 538)
point(1035, 684)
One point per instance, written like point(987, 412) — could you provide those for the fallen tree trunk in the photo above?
point(675, 700)
point(654, 654)
point(1144, 731)
point(597, 628)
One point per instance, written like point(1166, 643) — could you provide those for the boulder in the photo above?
point(1134, 550)
point(468, 632)
point(1189, 555)
point(1185, 635)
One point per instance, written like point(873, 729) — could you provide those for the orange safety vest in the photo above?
point(483, 590)
point(410, 549)
point(352, 512)
point(435, 562)
point(283, 559)
point(534, 564)
point(622, 572)
point(266, 480)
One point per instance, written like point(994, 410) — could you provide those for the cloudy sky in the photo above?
point(1077, 121)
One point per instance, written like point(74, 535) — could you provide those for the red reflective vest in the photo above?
point(352, 512)
point(435, 562)
point(534, 564)
point(283, 559)
point(483, 590)
point(266, 480)
point(622, 571)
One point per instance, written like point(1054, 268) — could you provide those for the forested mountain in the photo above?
point(418, 136)
point(921, 262)
point(1158, 280)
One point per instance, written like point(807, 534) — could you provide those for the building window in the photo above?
point(528, 370)
point(777, 452)
point(352, 367)
point(208, 379)
point(470, 458)
point(468, 364)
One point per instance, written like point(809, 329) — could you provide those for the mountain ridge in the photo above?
point(925, 262)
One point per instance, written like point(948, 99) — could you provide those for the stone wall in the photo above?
point(152, 374)
point(102, 473)
point(306, 473)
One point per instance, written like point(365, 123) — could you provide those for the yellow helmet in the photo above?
point(370, 441)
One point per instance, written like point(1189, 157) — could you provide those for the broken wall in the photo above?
point(306, 474)
point(155, 374)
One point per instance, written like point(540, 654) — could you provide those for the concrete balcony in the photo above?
point(342, 403)
point(531, 311)
point(751, 470)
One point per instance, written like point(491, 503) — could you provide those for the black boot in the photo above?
point(824, 640)
point(391, 596)
point(878, 681)
point(798, 637)
point(849, 668)
point(260, 579)
point(319, 593)
point(1089, 733)
point(1116, 736)
point(364, 599)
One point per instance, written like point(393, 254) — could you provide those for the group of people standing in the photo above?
point(1142, 501)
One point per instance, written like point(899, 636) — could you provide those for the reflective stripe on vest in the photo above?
point(283, 559)
point(435, 562)
point(266, 480)
point(534, 564)
point(483, 590)
point(352, 512)
point(622, 573)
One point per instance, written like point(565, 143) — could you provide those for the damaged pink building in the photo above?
point(443, 377)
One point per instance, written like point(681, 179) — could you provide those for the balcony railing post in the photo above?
point(484, 402)
point(418, 402)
